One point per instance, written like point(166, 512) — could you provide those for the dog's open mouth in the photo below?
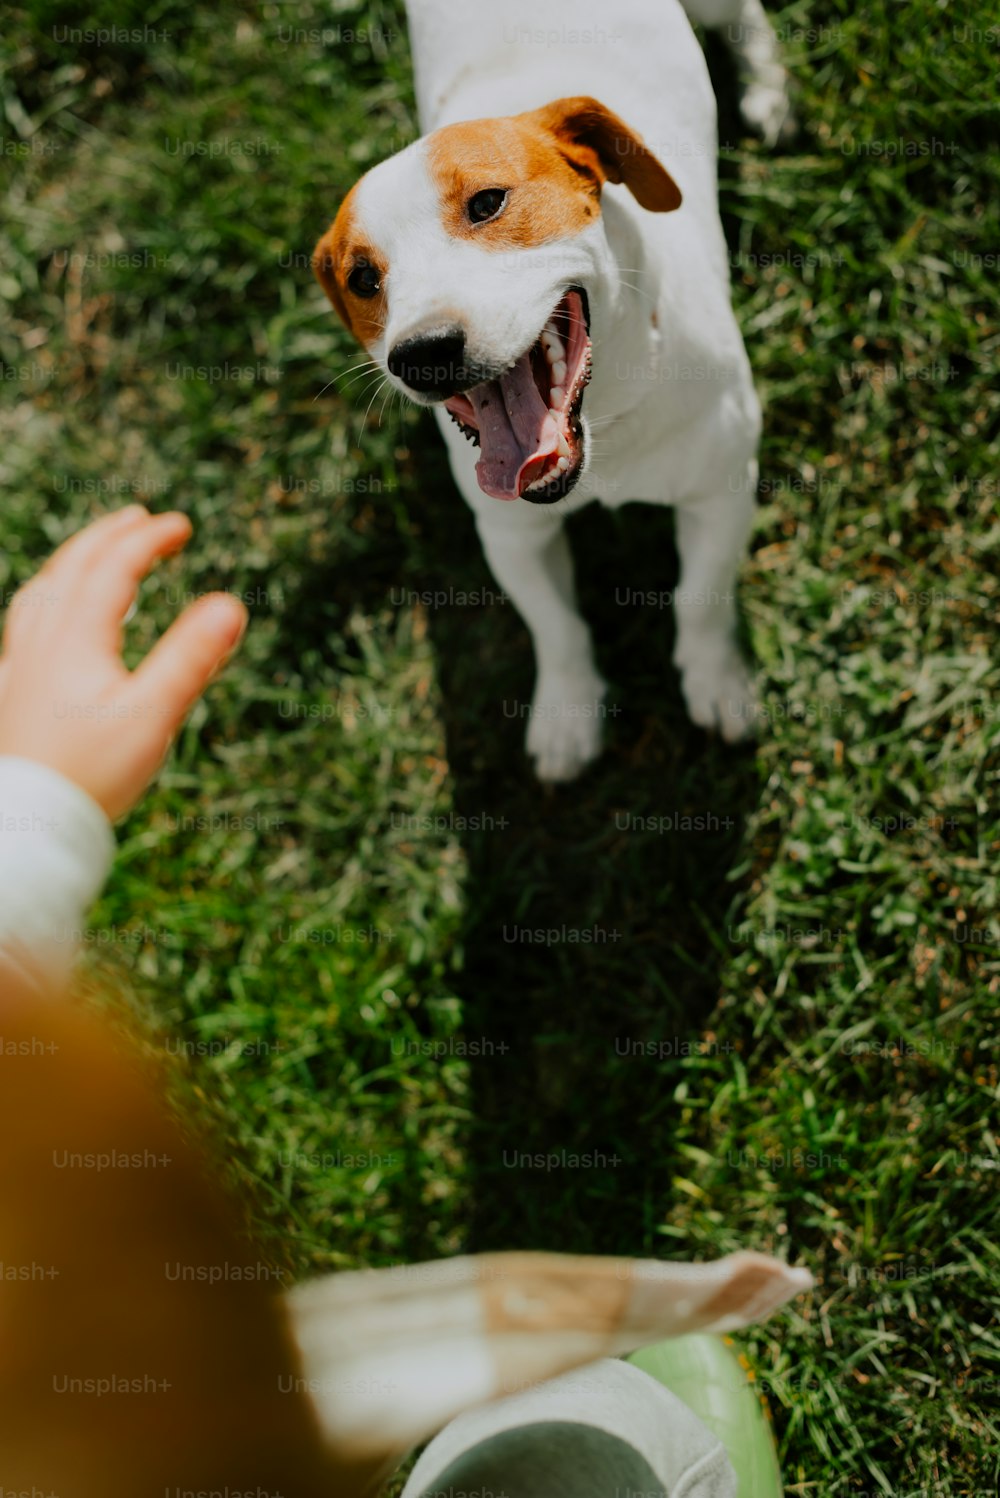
point(527, 422)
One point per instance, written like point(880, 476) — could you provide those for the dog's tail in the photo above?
point(765, 96)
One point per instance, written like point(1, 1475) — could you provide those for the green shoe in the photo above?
point(707, 1375)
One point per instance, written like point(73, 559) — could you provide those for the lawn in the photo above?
point(782, 1032)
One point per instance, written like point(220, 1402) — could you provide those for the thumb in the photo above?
point(183, 661)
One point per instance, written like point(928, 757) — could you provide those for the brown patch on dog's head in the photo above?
point(553, 162)
point(341, 250)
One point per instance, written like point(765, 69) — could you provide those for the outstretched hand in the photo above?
point(66, 697)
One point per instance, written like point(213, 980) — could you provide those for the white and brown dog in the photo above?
point(532, 270)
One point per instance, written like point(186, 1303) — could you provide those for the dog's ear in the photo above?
point(621, 154)
point(323, 263)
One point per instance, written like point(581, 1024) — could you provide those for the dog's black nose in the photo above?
point(432, 366)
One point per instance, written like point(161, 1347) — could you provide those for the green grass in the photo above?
point(788, 1039)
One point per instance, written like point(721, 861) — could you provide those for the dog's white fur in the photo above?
point(670, 415)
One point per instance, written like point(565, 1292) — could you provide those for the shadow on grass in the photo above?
point(578, 1032)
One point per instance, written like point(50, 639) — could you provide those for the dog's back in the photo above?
point(474, 59)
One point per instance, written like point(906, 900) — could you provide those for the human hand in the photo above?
point(66, 697)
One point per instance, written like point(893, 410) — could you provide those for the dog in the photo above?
point(546, 268)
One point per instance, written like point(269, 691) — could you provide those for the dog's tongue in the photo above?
point(517, 432)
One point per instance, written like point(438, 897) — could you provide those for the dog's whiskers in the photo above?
point(360, 373)
point(356, 370)
point(638, 291)
point(382, 379)
point(326, 387)
point(363, 364)
point(372, 379)
point(387, 402)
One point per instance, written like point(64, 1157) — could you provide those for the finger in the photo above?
point(182, 663)
point(29, 608)
point(108, 588)
point(86, 545)
point(49, 594)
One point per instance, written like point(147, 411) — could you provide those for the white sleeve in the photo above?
point(56, 847)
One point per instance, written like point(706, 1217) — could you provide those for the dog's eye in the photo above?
point(486, 204)
point(364, 280)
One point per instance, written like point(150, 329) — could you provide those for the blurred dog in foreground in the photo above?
point(146, 1349)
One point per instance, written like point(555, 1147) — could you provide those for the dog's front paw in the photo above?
point(567, 725)
point(720, 695)
point(766, 107)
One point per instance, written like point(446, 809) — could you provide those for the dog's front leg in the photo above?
point(528, 553)
point(712, 536)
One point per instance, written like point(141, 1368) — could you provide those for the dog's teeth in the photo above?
point(559, 372)
point(556, 397)
point(562, 465)
point(562, 446)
